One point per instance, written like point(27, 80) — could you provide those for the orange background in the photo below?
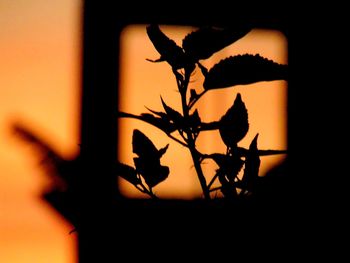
point(39, 85)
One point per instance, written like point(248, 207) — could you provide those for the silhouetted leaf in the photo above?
point(252, 164)
point(166, 47)
point(230, 165)
point(173, 115)
point(243, 69)
point(128, 173)
point(151, 170)
point(203, 69)
point(163, 150)
point(204, 42)
point(161, 123)
point(143, 146)
point(244, 152)
point(161, 114)
point(61, 170)
point(234, 124)
point(148, 161)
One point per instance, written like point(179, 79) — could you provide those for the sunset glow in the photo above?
point(142, 84)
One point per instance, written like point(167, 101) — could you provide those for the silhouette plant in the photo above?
point(185, 127)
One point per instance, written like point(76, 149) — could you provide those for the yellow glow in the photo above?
point(142, 83)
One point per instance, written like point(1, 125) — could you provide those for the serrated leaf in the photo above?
point(161, 114)
point(166, 47)
point(204, 42)
point(242, 70)
point(230, 165)
point(252, 164)
point(162, 151)
point(151, 171)
point(148, 161)
point(234, 124)
point(128, 173)
point(203, 69)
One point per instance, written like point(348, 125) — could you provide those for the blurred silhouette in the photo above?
point(63, 172)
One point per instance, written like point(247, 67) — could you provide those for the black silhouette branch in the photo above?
point(196, 157)
point(141, 118)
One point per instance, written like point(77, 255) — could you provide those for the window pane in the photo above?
point(142, 83)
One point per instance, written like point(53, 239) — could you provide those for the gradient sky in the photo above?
point(39, 85)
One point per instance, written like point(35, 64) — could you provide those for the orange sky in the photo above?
point(143, 82)
point(39, 84)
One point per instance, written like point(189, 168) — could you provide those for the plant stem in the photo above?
point(190, 138)
point(215, 189)
point(213, 180)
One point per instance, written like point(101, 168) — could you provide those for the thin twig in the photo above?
point(212, 180)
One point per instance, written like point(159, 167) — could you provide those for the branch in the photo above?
point(191, 140)
point(212, 180)
point(244, 152)
point(209, 126)
point(129, 115)
point(215, 189)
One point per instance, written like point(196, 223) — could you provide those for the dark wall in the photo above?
point(111, 227)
